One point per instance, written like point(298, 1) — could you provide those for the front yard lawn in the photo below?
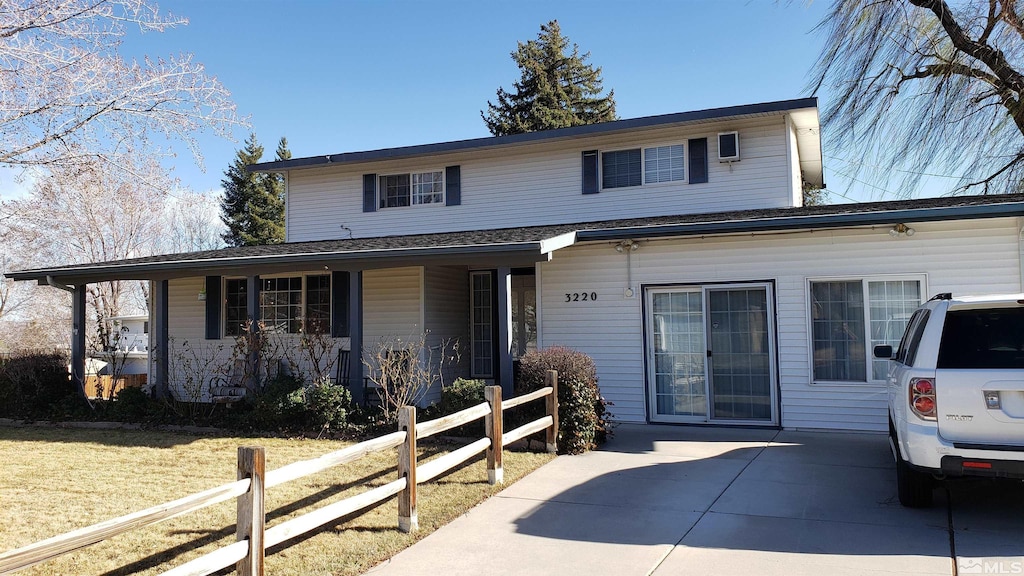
point(57, 480)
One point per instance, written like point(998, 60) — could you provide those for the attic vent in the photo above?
point(728, 146)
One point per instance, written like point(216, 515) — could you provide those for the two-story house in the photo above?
point(673, 249)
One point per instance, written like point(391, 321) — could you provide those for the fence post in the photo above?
point(407, 520)
point(493, 422)
point(551, 379)
point(250, 525)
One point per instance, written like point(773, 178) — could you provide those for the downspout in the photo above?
point(51, 282)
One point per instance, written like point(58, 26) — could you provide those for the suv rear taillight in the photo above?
point(922, 398)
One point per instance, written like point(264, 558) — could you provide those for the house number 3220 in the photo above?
point(580, 296)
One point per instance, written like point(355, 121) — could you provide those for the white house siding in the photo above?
point(186, 327)
point(542, 183)
point(960, 257)
point(446, 316)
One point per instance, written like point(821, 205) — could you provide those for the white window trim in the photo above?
point(922, 278)
point(305, 288)
point(444, 189)
point(643, 166)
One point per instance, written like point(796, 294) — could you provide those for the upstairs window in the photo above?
point(663, 164)
point(398, 190)
point(625, 168)
point(620, 168)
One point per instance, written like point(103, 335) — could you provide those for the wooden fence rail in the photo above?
point(253, 537)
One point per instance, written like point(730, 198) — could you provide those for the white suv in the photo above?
point(956, 393)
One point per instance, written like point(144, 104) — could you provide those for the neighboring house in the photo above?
point(673, 249)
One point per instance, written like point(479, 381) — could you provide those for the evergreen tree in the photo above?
point(253, 204)
point(556, 89)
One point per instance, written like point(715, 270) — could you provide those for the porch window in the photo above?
point(398, 190)
point(850, 317)
point(482, 337)
point(286, 304)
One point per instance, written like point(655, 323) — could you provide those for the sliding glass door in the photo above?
point(711, 354)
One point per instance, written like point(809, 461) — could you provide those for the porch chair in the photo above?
point(344, 378)
point(230, 388)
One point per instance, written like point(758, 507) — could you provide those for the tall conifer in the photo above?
point(555, 90)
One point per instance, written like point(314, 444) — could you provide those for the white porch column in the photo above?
point(504, 303)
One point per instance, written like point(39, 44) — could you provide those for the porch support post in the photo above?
point(355, 337)
point(161, 353)
point(252, 305)
point(504, 281)
point(78, 339)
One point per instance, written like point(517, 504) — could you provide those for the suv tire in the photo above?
point(914, 487)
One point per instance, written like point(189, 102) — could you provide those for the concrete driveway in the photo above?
point(688, 500)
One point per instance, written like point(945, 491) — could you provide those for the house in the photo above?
point(673, 249)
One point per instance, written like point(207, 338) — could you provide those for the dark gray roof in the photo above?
point(572, 132)
point(533, 240)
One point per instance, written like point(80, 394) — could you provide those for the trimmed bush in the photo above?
point(327, 406)
point(33, 385)
point(582, 413)
point(461, 394)
point(286, 404)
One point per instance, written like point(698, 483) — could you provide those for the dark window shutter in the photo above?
point(453, 186)
point(339, 304)
point(213, 304)
point(369, 192)
point(698, 160)
point(590, 172)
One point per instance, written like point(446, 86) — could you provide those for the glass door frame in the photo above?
point(649, 364)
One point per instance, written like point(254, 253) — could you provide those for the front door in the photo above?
point(711, 354)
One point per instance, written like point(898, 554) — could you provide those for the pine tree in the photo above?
point(253, 203)
point(556, 90)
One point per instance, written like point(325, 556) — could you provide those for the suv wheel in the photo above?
point(914, 487)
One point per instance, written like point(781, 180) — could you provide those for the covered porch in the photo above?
point(467, 288)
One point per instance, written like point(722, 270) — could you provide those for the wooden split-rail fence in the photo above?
point(254, 537)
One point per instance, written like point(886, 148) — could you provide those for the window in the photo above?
point(482, 325)
point(282, 303)
point(663, 164)
point(850, 317)
point(397, 190)
point(623, 168)
point(236, 311)
point(620, 168)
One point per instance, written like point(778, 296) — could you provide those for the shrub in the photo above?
point(135, 405)
point(461, 394)
point(582, 413)
point(287, 404)
point(327, 405)
point(33, 384)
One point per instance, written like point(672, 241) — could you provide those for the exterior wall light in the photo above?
point(630, 244)
point(901, 229)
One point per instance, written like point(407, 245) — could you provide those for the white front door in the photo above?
point(711, 354)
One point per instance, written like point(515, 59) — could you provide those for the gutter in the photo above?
point(817, 222)
point(51, 282)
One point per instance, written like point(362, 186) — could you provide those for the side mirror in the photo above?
point(883, 352)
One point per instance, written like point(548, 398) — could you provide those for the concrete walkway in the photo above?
point(688, 500)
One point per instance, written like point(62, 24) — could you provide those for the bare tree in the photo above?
point(922, 86)
point(89, 213)
point(192, 222)
point(66, 95)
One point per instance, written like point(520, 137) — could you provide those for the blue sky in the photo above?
point(357, 75)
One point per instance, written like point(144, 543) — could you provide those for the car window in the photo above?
point(911, 341)
point(987, 338)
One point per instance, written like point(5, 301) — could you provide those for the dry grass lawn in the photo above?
point(56, 480)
